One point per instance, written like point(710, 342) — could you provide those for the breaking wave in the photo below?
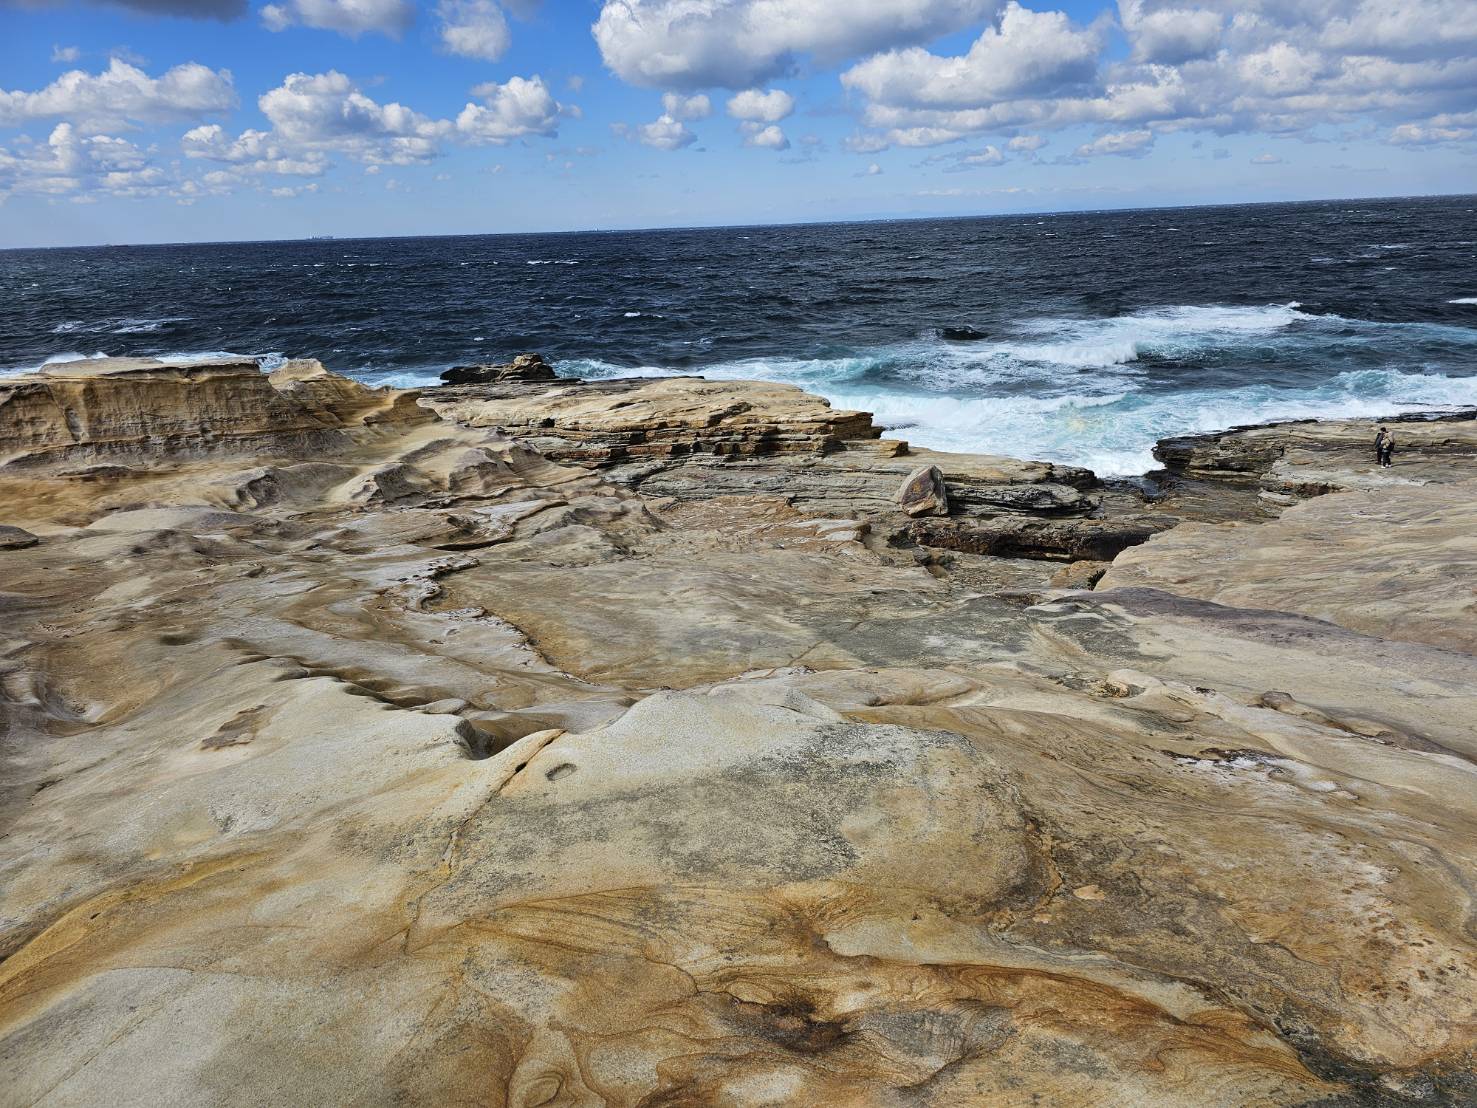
point(122, 326)
point(1101, 392)
point(1081, 337)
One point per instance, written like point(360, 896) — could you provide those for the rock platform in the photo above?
point(627, 743)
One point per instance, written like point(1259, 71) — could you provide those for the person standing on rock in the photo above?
point(1384, 447)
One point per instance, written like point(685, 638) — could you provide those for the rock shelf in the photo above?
point(534, 742)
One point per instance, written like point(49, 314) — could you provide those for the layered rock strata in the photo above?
point(1292, 461)
point(117, 408)
point(595, 423)
point(356, 755)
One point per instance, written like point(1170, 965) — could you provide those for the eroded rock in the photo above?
point(924, 493)
point(524, 369)
point(16, 538)
point(1302, 459)
point(596, 423)
point(403, 763)
point(109, 408)
point(1016, 537)
point(1079, 575)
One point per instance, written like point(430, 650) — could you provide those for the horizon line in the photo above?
point(750, 226)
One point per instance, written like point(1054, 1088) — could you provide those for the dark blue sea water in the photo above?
point(1105, 330)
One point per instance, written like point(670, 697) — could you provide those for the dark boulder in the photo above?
point(924, 493)
point(1060, 540)
point(1039, 498)
point(15, 538)
point(962, 334)
point(525, 368)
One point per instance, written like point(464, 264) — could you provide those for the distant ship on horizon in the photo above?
point(320, 238)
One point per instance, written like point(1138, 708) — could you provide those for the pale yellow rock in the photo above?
point(659, 417)
point(1396, 564)
point(406, 765)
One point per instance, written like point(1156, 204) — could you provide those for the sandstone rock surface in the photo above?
point(1399, 563)
point(353, 755)
point(1292, 461)
point(117, 408)
point(598, 422)
point(1079, 575)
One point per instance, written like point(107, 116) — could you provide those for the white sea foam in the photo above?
point(1081, 394)
point(1114, 435)
point(1464, 300)
point(408, 380)
point(267, 361)
point(145, 326)
point(1121, 340)
point(122, 326)
point(55, 359)
point(1080, 355)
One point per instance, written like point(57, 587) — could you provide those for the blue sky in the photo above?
point(175, 120)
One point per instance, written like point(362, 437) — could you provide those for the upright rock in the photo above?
point(924, 493)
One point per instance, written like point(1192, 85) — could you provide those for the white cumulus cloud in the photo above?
point(1125, 143)
point(764, 136)
point(72, 163)
point(677, 106)
point(669, 131)
point(251, 152)
point(518, 108)
point(316, 115)
point(474, 29)
point(1170, 35)
point(326, 111)
point(347, 17)
point(1029, 53)
point(689, 44)
point(1224, 66)
point(123, 94)
point(1412, 134)
point(761, 107)
point(664, 133)
point(989, 156)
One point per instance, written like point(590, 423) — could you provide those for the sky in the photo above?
point(205, 120)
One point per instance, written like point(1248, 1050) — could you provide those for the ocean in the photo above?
point(1091, 335)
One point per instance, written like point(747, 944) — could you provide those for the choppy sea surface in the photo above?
point(1102, 332)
